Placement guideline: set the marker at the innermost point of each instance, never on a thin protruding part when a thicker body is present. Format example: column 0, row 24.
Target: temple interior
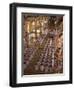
column 43, row 44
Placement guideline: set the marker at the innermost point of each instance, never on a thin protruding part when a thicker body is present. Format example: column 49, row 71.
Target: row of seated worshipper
column 28, row 52
column 44, row 62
